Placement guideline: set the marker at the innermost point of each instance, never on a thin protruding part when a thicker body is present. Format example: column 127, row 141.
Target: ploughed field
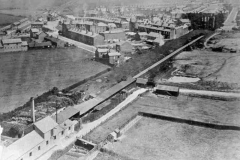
column 152, row 139
column 31, row 73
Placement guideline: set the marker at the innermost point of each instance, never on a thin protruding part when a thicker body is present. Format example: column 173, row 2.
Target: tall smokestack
column 33, row 109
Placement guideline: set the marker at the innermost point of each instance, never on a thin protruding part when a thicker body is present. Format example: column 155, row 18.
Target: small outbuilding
column 167, row 90
column 124, row 47
column 141, row 82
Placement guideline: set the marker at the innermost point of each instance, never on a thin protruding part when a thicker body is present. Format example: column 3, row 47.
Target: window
column 69, row 128
column 62, row 132
column 52, row 132
column 39, row 147
column 30, row 154
column 55, row 137
column 47, row 143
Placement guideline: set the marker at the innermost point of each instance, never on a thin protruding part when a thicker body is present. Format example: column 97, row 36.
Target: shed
column 167, row 90
column 141, row 82
column 124, row 47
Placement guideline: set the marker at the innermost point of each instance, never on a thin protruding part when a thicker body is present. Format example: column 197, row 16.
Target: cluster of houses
column 94, row 31
column 168, row 27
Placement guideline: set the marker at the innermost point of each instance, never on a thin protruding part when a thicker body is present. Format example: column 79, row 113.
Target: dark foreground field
column 27, row 74
column 6, row 19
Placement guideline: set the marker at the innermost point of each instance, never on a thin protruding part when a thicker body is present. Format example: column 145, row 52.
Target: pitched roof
column 46, row 124
column 153, row 34
column 65, row 114
column 66, row 124
column 90, row 104
column 102, row 50
column 114, row 54
column 185, row 20
column 89, row 34
column 142, row 33
column 16, row 23
column 34, row 30
column 22, row 145
column 141, row 81
column 167, row 88
column 100, row 24
column 37, row 23
column 10, row 41
column 24, row 43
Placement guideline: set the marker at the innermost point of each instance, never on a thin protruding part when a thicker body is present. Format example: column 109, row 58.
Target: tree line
column 207, row 21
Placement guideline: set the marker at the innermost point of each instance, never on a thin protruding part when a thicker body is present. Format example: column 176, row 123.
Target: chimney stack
column 32, row 109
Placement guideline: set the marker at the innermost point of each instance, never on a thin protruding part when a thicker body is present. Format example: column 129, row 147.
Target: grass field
column 152, row 139
column 203, row 110
column 208, row 65
column 6, row 19
column 27, row 74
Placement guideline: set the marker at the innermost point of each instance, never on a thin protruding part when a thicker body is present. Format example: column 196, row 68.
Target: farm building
column 124, row 47
column 113, row 58
column 100, row 52
column 40, row 36
column 13, row 45
column 167, row 90
column 141, row 82
column 35, row 44
column 25, row 25
column 55, row 42
column 2, row 34
column 33, row 32
column 37, row 25
column 24, row 46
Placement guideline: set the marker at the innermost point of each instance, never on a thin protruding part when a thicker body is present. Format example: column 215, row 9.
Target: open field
column 227, row 40
column 152, row 139
column 8, row 19
column 197, row 109
column 27, row 74
column 209, row 65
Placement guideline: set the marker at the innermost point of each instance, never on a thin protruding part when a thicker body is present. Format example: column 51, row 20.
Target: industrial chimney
column 32, row 109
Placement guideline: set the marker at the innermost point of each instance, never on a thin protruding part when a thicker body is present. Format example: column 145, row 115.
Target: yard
column 31, row 73
column 152, row 139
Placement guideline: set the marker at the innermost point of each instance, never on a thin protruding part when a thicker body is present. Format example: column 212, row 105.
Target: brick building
column 83, row 36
